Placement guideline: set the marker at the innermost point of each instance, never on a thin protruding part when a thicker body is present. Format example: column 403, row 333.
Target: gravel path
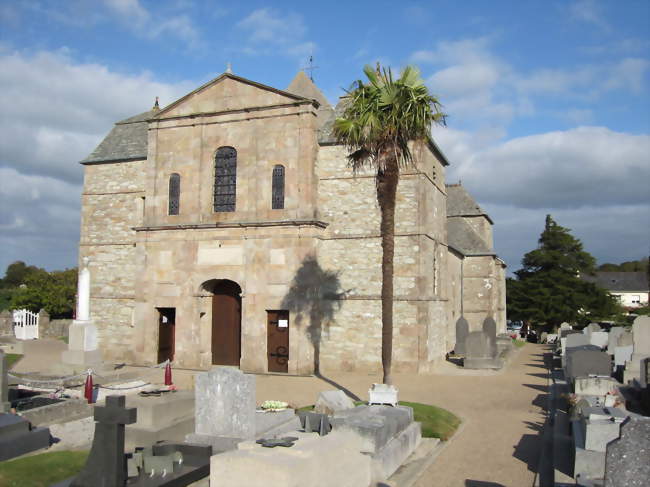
column 497, row 444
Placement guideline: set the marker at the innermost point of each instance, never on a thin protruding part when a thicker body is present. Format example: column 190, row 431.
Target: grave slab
column 313, row 461
column 330, row 402
column 595, row 386
column 627, row 460
column 481, row 352
column 582, row 362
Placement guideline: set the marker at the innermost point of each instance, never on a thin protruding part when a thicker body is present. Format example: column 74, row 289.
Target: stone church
column 227, row 228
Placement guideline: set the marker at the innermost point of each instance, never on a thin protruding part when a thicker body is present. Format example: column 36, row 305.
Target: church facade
column 228, row 229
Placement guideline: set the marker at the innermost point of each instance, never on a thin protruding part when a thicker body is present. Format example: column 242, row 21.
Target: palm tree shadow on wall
column 314, row 297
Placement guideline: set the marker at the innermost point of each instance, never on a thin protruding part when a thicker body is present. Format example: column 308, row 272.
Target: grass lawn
column 41, row 470
column 519, row 343
column 436, row 422
column 12, row 358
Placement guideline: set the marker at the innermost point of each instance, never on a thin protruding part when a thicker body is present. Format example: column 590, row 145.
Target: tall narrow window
column 174, row 193
column 225, row 179
column 277, row 189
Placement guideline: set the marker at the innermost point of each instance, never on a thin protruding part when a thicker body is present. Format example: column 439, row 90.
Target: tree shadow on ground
column 314, row 297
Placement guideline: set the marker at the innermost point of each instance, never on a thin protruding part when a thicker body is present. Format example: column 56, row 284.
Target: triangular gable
column 228, row 92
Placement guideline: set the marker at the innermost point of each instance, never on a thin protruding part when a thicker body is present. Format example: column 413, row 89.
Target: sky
column 548, row 102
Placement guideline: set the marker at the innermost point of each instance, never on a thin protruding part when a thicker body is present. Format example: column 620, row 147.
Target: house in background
column 630, row 288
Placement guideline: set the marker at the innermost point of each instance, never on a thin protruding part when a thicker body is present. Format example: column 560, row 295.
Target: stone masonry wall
column 351, row 247
column 112, row 204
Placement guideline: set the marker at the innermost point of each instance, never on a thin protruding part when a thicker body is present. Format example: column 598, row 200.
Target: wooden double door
column 277, row 341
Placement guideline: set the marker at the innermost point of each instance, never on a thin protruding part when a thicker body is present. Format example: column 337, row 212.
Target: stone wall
column 351, row 247
column 112, row 205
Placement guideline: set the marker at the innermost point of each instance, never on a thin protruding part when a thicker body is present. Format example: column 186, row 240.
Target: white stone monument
column 641, row 337
column 82, row 336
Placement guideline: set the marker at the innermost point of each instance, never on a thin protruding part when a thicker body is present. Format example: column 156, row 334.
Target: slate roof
column 127, row 141
column 460, row 203
column 464, row 239
column 619, row 281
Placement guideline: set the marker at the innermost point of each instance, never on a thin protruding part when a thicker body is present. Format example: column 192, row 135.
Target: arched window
column 174, row 194
column 277, row 190
column 225, row 179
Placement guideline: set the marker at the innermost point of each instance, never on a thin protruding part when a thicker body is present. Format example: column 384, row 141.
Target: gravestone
column 641, row 337
column 583, row 362
column 572, row 340
column 625, row 339
column 224, row 408
column 592, row 327
column 490, row 327
column 599, row 338
column 622, row 355
column 18, row 436
column 576, row 340
column 5, row 405
column 106, row 464
column 612, row 338
column 481, row 352
column 462, row 330
column 330, row 402
column 627, row 459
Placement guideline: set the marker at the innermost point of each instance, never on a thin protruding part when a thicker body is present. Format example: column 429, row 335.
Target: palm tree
column 380, row 119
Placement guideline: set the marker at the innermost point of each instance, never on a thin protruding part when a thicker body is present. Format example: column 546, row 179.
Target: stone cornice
column 234, row 224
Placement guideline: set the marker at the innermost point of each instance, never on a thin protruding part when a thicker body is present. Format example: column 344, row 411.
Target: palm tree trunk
column 386, row 193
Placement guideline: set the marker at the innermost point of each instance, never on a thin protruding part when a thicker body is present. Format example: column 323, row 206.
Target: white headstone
column 641, row 337
column 614, row 333
column 599, row 338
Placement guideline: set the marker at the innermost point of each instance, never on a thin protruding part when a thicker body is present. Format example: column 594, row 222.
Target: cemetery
column 212, row 428
column 598, row 424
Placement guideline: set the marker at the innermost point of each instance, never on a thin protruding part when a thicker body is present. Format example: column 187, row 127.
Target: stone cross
column 5, row 405
column 106, row 464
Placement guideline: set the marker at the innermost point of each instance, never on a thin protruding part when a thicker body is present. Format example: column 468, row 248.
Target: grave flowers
column 274, row 406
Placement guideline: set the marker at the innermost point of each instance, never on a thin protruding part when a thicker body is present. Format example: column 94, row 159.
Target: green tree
column 548, row 289
column 17, row 273
column 381, row 118
column 52, row 291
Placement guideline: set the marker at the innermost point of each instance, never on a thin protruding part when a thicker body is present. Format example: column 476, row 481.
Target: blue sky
column 548, row 102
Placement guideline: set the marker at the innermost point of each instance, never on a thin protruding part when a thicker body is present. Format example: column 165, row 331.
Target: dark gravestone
column 106, row 464
column 490, row 329
column 462, row 330
column 583, row 362
column 5, row 405
column 17, row 436
column 627, row 459
column 481, row 352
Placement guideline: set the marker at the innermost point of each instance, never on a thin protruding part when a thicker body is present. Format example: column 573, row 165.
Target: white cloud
column 590, row 12
column 586, row 166
column 269, row 30
column 55, row 111
column 130, row 10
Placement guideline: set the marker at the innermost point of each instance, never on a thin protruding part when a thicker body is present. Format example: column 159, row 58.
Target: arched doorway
column 226, row 321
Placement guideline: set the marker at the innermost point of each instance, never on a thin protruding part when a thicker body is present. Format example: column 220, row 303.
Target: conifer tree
column 548, row 289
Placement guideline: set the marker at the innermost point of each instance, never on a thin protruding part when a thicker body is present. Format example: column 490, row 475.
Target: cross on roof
column 310, row 68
